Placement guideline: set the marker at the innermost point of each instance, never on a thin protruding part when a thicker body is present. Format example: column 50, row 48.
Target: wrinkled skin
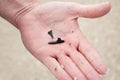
column 75, row 58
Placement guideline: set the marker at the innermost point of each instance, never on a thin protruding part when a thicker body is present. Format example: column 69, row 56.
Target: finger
column 56, row 69
column 71, row 68
column 91, row 54
column 84, row 66
column 92, row 11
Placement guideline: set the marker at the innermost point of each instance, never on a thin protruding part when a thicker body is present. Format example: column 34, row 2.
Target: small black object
column 57, row 42
column 50, row 33
column 55, row 69
column 72, row 31
column 52, row 42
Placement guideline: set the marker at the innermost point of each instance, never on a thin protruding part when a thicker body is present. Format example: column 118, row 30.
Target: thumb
column 93, row 11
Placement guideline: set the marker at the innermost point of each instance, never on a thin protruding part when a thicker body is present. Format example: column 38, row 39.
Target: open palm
column 72, row 59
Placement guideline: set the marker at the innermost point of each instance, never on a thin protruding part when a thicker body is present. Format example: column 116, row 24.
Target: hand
column 73, row 59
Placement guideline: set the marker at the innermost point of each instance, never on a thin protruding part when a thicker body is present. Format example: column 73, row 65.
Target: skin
column 75, row 58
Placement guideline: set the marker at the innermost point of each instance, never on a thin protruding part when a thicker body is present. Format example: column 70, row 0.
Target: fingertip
column 108, row 3
column 102, row 69
column 107, row 7
column 105, row 71
column 102, row 9
column 108, row 70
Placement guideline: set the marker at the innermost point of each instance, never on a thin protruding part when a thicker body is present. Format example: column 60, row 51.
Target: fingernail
column 108, row 70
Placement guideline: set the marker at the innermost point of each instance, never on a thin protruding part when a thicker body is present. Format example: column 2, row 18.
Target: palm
column 61, row 18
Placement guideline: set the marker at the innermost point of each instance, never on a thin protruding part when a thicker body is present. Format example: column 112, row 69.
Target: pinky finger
column 56, row 69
